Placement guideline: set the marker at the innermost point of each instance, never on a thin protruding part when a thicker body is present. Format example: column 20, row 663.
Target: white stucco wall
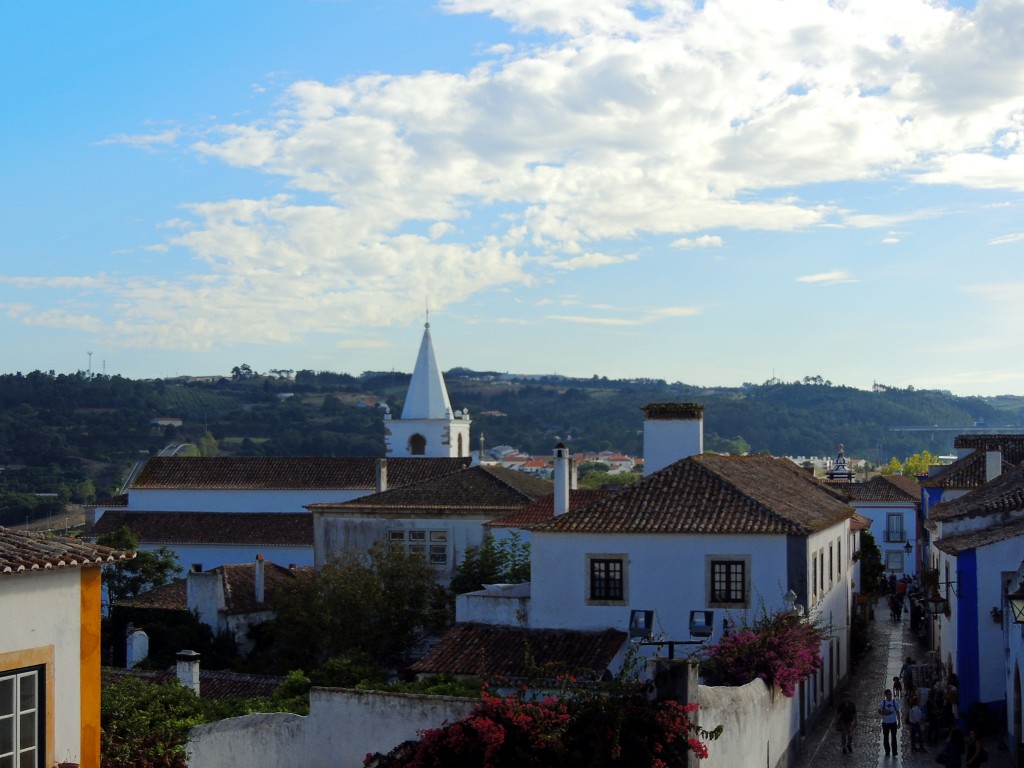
column 43, row 608
column 760, row 728
column 666, row 573
column 334, row 533
column 342, row 727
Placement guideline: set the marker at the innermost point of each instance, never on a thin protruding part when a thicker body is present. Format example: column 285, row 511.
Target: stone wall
column 342, row 727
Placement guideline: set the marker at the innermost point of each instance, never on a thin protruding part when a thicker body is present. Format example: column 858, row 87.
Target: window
column 417, row 445
column 606, row 579
column 894, row 528
column 814, row 575
column 830, row 566
column 433, row 545
column 894, row 560
column 727, row 580
column 839, row 557
column 22, row 719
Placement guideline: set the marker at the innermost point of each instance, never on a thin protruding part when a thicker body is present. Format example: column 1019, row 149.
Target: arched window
column 417, row 445
column 460, row 454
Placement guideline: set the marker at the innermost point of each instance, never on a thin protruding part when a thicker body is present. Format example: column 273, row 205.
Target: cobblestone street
column 891, row 642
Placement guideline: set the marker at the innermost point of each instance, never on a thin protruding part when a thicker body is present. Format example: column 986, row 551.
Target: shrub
column 781, row 649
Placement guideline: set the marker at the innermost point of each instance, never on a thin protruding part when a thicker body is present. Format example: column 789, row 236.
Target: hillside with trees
column 74, row 437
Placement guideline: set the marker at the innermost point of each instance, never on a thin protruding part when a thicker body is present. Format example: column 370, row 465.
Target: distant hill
column 76, row 435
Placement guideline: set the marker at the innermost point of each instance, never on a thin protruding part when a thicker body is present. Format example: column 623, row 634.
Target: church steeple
column 427, row 397
column 428, row 426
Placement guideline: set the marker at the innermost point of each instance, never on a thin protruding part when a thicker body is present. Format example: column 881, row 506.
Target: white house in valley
column 214, row 511
column 50, row 649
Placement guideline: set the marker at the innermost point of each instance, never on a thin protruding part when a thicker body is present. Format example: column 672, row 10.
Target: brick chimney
column 672, row 431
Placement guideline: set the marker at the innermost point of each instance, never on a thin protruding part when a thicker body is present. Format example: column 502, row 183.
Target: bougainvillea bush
column 781, row 649
column 582, row 725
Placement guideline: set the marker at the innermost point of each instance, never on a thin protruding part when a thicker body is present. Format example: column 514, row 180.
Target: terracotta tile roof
column 169, row 597
column 492, row 651
column 966, row 473
column 994, row 534
column 858, row 522
column 714, row 494
column 1004, row 494
column 213, row 684
column 543, row 509
column 239, row 589
column 893, row 489
column 285, row 529
column 277, row 472
column 483, row 487
column 1012, row 446
column 240, row 585
column 22, row 551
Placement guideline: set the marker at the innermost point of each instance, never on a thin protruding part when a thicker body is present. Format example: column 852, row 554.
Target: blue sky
column 711, row 193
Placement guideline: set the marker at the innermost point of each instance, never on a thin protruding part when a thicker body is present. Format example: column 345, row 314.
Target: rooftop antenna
column 90, row 363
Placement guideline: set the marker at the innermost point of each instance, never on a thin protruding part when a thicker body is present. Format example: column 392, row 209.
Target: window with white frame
column 728, row 581
column 433, row 545
column 22, row 720
column 606, row 579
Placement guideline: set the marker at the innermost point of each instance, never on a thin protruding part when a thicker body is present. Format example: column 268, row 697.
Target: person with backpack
column 846, row 722
column 889, row 710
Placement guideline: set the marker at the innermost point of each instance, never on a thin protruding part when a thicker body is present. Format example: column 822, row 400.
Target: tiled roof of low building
column 239, row 589
column 1011, row 446
column 22, row 551
column 1004, row 494
column 483, row 487
column 492, row 651
column 966, row 473
column 543, row 509
column 858, row 522
column 168, row 597
column 286, row 529
column 954, row 545
column 712, row 494
column 882, row 489
column 214, row 685
column 283, row 472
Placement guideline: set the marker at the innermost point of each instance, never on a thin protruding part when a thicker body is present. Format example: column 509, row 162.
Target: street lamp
column 1016, row 600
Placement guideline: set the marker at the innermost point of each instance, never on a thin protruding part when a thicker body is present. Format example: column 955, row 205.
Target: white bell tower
column 428, row 426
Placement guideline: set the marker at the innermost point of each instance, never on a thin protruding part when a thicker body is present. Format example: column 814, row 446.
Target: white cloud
column 892, row 238
column 704, row 241
column 834, row 277
column 628, row 120
column 1016, row 237
column 148, row 141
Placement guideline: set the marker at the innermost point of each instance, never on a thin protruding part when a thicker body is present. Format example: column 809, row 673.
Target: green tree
column 918, row 464
column 141, row 574
column 85, row 491
column 601, row 479
column 146, row 725
column 208, row 445
column 872, row 570
column 380, row 604
column 892, row 468
column 496, row 561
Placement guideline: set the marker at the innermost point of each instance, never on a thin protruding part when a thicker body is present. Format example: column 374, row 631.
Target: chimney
column 138, row 646
column 562, row 479
column 993, row 465
column 259, row 579
column 672, row 431
column 188, row 670
column 382, row 475
column 573, row 475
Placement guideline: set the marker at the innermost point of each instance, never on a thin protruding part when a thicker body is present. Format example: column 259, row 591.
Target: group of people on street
column 929, row 713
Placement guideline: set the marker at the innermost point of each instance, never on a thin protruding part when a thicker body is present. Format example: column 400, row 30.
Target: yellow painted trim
column 34, row 657
column 90, row 668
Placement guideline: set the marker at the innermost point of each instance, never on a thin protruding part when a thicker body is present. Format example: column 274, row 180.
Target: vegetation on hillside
column 75, row 437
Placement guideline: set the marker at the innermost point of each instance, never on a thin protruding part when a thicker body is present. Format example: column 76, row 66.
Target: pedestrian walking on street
column 889, row 709
column 846, row 722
